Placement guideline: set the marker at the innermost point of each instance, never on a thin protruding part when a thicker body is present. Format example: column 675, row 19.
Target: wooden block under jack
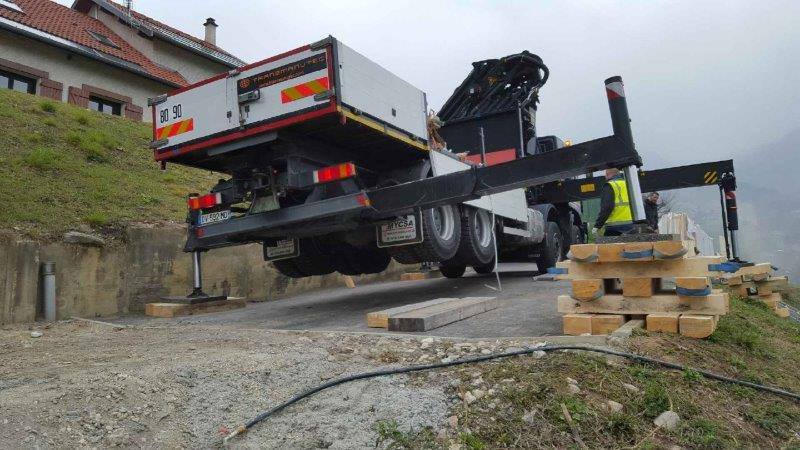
column 715, row 304
column 672, row 249
column 772, row 301
column 663, row 322
column 583, row 253
column 587, row 290
column 610, row 252
column 348, row 281
column 638, row 251
column 692, row 284
column 696, row 326
column 606, row 323
column 168, row 310
column 413, row 276
column 638, row 287
column 577, row 324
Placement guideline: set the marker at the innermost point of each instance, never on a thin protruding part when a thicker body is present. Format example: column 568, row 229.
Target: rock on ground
column 668, row 420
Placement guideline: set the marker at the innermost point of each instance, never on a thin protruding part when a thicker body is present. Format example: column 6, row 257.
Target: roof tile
column 66, row 23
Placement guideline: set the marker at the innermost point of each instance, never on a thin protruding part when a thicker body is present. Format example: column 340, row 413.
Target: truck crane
column 330, row 164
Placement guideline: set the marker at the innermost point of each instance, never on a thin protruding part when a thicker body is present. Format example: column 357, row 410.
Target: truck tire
column 476, row 246
column 453, row 271
column 550, row 250
column 287, row 268
column 485, row 268
column 311, row 261
column 361, row 261
column 441, row 230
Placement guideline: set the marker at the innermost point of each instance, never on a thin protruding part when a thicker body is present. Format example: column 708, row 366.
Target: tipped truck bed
column 325, row 91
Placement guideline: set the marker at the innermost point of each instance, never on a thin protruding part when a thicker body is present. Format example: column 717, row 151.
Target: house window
column 103, row 39
column 16, row 82
column 105, row 106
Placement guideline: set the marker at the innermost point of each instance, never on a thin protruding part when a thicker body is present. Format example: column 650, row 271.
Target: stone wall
column 121, row 278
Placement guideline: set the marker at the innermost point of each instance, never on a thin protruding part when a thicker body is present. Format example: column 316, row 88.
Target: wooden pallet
column 611, row 282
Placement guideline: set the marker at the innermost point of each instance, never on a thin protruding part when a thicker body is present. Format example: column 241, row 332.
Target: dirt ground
column 84, row 385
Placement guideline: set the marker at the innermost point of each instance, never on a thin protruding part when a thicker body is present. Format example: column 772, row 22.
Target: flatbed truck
column 333, row 164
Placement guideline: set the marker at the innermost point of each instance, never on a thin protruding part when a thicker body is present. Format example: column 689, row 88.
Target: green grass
column 750, row 343
column 61, row 166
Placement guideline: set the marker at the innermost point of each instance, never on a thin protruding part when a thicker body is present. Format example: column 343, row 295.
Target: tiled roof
column 179, row 36
column 54, row 19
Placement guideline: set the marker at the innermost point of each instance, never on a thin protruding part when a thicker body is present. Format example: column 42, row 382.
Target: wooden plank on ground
column 436, row 316
column 689, row 267
column 577, row 324
column 606, row 323
column 638, row 287
column 782, row 311
column 587, row 290
column 168, row 310
column 714, row 304
column 697, row 326
column 380, row 319
column 663, row 322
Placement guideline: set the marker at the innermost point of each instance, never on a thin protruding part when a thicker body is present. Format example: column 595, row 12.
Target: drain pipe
column 49, row 290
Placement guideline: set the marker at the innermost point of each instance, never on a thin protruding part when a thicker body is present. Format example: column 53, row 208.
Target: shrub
column 96, row 219
column 47, row 106
column 43, row 158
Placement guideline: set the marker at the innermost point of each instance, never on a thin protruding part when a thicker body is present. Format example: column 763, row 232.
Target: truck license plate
column 214, row 217
column 402, row 231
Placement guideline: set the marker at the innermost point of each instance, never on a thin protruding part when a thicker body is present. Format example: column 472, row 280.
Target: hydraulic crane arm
column 679, row 177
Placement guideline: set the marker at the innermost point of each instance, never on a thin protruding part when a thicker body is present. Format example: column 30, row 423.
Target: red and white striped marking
column 615, row 90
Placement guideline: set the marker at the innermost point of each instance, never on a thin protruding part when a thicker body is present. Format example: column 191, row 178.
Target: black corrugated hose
column 548, row 348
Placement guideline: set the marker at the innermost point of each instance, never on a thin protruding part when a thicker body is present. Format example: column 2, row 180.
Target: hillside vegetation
column 62, row 166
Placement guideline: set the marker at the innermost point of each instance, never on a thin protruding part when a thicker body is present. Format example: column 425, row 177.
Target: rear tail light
column 333, row 173
column 204, row 201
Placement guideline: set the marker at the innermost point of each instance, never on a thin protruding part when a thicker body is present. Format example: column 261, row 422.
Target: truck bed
column 323, row 92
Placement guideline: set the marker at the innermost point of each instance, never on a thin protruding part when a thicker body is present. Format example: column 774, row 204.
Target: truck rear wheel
column 288, row 268
column 476, row 246
column 360, row 261
column 485, row 268
column 453, row 271
column 551, row 248
column 441, row 230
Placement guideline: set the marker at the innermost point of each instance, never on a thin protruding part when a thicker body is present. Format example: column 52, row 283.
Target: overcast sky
column 705, row 79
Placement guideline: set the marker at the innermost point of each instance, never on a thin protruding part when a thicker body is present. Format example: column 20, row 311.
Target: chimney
column 211, row 31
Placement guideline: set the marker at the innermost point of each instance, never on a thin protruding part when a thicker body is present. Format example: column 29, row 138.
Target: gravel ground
column 84, row 385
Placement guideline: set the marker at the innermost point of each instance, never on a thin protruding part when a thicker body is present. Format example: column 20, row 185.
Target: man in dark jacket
column 651, row 210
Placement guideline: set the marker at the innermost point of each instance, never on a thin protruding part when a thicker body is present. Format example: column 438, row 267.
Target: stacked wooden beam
column 425, row 316
column 757, row 282
column 611, row 283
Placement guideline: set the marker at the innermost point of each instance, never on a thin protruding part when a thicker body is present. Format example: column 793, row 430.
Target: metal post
column 728, row 184
column 724, row 223
column 49, row 290
column 197, row 284
column 483, row 146
column 621, row 123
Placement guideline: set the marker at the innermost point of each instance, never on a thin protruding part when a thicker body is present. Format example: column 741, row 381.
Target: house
column 101, row 55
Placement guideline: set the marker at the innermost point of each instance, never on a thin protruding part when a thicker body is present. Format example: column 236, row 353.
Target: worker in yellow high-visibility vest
column 615, row 207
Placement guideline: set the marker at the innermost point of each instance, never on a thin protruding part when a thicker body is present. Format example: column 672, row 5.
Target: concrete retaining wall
column 120, row 279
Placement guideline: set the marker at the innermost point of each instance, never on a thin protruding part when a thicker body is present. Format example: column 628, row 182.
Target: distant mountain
column 768, row 196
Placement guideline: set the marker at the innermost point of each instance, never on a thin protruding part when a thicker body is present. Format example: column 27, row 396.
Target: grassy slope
column 751, row 343
column 61, row 165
